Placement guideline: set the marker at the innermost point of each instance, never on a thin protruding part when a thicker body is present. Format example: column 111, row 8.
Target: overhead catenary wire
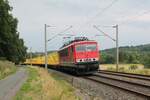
column 109, row 6
column 136, row 16
column 126, row 20
column 104, row 33
column 88, row 21
column 102, row 11
column 60, row 33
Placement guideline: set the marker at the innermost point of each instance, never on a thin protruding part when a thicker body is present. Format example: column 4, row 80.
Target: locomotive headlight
column 87, row 60
column 95, row 59
column 79, row 60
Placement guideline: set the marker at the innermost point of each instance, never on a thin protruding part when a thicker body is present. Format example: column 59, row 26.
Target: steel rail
column 123, row 81
column 147, row 95
column 129, row 75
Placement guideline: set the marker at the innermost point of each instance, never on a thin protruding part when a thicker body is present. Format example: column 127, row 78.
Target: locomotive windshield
column 86, row 47
column 91, row 47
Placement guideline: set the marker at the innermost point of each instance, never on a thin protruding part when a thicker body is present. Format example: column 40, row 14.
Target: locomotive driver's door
column 71, row 54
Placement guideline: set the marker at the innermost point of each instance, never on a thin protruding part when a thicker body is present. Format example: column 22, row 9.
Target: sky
column 132, row 17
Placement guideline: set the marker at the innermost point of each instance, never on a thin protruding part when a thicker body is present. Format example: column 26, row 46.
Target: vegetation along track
column 137, row 84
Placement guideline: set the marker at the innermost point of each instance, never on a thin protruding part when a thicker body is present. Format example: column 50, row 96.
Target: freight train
column 80, row 56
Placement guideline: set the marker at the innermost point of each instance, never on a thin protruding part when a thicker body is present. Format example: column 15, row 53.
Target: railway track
column 133, row 83
column 129, row 75
column 136, row 78
column 139, row 87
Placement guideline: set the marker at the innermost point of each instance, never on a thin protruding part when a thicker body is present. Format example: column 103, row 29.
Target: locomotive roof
column 77, row 42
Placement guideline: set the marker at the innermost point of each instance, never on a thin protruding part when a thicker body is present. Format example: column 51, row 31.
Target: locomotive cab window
column 91, row 47
column 86, row 47
column 80, row 48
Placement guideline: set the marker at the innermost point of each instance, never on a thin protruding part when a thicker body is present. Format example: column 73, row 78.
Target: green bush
column 133, row 67
column 3, row 58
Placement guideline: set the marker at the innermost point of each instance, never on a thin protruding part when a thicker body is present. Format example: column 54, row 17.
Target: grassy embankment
column 6, row 68
column 129, row 68
column 42, row 85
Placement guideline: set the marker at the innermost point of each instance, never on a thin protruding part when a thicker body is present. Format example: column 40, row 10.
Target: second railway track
column 112, row 87
column 135, row 78
column 129, row 75
column 137, row 84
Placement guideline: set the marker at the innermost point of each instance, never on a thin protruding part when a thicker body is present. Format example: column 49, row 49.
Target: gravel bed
column 140, row 81
column 98, row 91
column 125, row 85
column 105, row 92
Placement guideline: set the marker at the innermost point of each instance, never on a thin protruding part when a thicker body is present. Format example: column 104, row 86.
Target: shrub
column 133, row 67
column 3, row 58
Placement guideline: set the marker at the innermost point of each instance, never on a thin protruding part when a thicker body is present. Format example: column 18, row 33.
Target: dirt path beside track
column 11, row 84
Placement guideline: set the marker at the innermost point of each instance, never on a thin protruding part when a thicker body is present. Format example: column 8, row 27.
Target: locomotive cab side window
column 64, row 52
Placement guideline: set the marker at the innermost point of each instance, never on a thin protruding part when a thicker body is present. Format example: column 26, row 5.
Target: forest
column 12, row 47
column 128, row 54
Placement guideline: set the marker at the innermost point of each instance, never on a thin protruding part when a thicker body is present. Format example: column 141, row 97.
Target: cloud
column 33, row 14
column 143, row 16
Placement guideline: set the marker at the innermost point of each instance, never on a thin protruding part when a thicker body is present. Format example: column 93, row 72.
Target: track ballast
column 133, row 83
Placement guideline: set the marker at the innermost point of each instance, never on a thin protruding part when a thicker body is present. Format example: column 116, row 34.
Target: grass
column 6, row 68
column 128, row 68
column 41, row 85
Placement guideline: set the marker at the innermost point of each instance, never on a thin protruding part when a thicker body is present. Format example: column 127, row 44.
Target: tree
column 107, row 58
column 11, row 46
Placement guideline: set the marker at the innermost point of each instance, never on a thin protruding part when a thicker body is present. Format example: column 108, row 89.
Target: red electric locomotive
column 80, row 56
